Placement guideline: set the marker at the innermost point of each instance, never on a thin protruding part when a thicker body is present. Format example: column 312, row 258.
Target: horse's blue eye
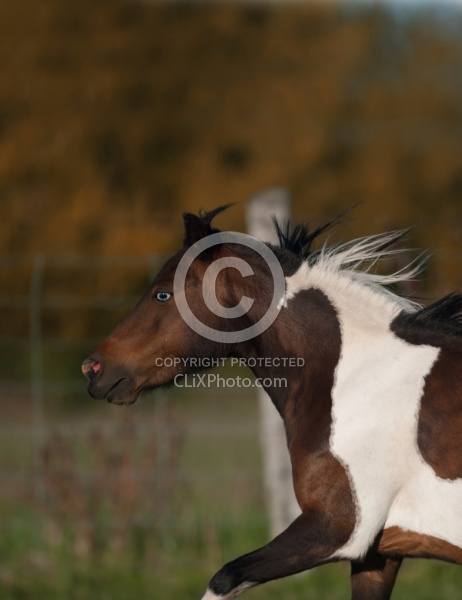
column 163, row 296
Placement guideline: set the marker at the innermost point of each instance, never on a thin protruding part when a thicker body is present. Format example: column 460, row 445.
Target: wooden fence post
column 277, row 470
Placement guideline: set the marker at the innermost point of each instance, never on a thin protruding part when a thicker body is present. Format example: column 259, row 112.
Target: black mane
column 300, row 240
column 443, row 316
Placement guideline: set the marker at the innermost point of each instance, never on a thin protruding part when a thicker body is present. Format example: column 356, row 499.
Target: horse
column 373, row 418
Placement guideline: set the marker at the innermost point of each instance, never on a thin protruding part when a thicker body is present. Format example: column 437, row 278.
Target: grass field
column 148, row 502
column 176, row 564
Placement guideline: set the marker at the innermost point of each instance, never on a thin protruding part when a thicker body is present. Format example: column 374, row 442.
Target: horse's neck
column 358, row 306
column 321, row 313
column 299, row 352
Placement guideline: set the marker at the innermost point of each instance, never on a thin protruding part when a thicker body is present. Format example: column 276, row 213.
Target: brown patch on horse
column 374, row 577
column 440, row 416
column 316, row 491
column 395, row 541
column 321, row 482
column 307, row 411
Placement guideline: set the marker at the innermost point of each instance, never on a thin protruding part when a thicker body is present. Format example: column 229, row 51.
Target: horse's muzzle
column 91, row 368
column 112, row 385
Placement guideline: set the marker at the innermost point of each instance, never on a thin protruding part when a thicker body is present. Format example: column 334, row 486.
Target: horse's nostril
column 91, row 367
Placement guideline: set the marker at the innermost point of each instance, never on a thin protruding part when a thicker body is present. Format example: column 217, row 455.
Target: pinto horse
column 373, row 418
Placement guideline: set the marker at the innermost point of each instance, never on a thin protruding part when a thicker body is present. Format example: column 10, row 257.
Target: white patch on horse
column 294, row 284
column 378, row 387
column 209, row 595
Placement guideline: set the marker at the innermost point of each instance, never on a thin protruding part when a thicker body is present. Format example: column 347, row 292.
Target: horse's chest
column 376, row 397
column 375, row 409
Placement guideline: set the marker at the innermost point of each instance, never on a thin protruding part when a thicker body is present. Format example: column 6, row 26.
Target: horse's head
column 158, row 341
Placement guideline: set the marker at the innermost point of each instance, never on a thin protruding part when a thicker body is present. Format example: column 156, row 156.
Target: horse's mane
column 349, row 256
column 443, row 316
column 355, row 259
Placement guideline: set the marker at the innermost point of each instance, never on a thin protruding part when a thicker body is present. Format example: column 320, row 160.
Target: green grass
column 81, row 541
column 176, row 563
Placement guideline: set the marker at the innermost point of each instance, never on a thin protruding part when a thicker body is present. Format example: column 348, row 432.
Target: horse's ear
column 198, row 227
column 194, row 229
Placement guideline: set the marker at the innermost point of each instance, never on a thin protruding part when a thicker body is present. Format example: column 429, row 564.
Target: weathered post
column 277, row 475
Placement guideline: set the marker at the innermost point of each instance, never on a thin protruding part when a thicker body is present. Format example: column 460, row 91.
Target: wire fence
column 66, row 458
column 55, row 439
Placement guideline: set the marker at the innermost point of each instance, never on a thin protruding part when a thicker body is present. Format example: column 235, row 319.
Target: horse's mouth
column 120, row 392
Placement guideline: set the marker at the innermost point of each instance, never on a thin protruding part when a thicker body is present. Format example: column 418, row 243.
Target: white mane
column 357, row 258
column 345, row 273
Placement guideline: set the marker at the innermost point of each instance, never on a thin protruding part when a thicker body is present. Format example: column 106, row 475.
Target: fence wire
column 34, row 431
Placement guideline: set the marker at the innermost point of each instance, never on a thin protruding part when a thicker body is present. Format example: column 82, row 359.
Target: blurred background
column 115, row 117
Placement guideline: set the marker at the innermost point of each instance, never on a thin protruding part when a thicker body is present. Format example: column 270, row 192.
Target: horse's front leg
column 374, row 577
column 309, row 541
